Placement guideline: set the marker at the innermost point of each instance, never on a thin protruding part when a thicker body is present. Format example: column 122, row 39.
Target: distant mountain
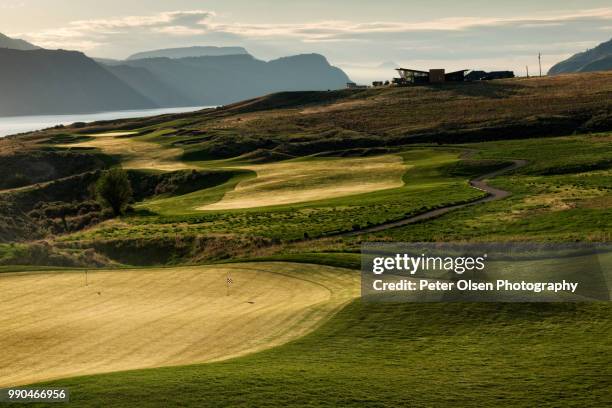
column 41, row 81
column 52, row 82
column 601, row 64
column 15, row 44
column 596, row 59
column 151, row 86
column 107, row 61
column 189, row 52
column 224, row 79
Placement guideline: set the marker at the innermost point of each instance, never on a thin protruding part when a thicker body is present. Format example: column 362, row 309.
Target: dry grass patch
column 54, row 326
column 135, row 153
column 558, row 199
column 338, row 106
column 314, row 179
column 598, row 203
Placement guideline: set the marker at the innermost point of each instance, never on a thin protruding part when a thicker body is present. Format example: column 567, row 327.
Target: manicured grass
column 313, row 179
column 188, row 203
column 544, row 355
column 66, row 323
column 427, row 184
column 564, row 194
column 134, row 152
column 390, row 355
column 335, row 259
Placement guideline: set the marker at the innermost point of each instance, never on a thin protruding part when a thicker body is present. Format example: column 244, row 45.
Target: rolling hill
column 279, row 193
column 316, row 138
column 596, row 59
column 289, row 124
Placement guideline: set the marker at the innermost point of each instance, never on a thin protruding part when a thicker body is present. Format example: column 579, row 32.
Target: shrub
column 114, row 189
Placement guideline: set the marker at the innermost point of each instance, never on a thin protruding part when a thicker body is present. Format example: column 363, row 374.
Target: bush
column 114, row 189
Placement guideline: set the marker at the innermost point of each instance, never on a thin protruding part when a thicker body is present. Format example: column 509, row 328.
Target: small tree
column 114, row 189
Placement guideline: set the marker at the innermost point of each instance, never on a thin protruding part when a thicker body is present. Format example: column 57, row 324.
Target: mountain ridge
column 16, row 43
column 595, row 59
column 217, row 80
column 39, row 81
column 183, row 52
column 35, row 82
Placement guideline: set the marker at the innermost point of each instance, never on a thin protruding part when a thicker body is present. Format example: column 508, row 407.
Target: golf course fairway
column 312, row 179
column 135, row 153
column 61, row 324
column 280, row 183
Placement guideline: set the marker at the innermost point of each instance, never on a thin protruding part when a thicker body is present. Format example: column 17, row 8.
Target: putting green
column 312, row 179
column 54, row 326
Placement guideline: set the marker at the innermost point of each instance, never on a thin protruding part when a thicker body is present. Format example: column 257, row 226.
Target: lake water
column 18, row 124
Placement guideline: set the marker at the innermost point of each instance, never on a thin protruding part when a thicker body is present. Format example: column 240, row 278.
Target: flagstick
column 86, row 282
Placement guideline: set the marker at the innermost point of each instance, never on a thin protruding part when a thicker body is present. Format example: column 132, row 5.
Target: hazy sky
column 356, row 35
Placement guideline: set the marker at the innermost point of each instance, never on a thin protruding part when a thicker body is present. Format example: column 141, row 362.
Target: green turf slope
column 520, row 355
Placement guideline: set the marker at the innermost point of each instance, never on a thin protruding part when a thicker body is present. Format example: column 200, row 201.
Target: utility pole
column 540, row 62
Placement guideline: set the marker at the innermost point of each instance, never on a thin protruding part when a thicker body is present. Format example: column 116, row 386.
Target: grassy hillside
column 562, row 172
column 427, row 183
column 519, row 355
column 303, row 123
column 564, row 194
column 300, row 178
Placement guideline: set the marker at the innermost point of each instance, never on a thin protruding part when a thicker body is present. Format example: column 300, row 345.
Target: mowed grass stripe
column 166, row 305
column 312, row 179
column 393, row 355
column 58, row 327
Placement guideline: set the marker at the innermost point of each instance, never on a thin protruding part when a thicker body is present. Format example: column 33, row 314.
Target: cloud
column 89, row 34
column 171, row 18
column 198, row 22
column 443, row 39
column 327, row 30
column 180, row 30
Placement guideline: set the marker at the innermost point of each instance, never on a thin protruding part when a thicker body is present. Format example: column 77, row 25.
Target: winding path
column 493, row 194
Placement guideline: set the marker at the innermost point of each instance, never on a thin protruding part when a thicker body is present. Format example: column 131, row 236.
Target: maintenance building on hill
column 433, row 76
column 438, row 76
column 487, row 76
